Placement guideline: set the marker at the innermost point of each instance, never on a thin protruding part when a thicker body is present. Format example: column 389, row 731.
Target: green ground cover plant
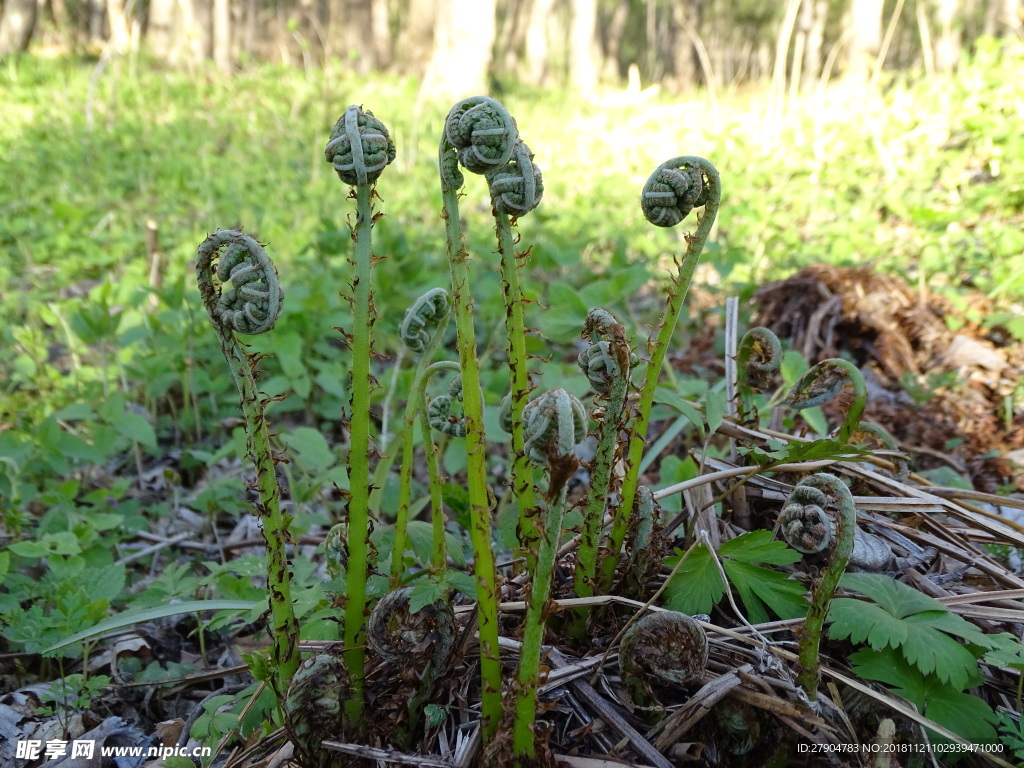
column 109, row 366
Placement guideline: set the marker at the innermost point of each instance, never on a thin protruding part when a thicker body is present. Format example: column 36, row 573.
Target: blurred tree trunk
column 864, row 27
column 537, row 57
column 511, row 42
column 17, row 23
column 583, row 46
column 947, row 41
column 684, row 61
column 380, row 22
column 463, row 41
column 160, row 31
column 352, row 25
column 416, row 35
column 811, row 25
column 612, row 31
column 221, row 35
column 97, row 17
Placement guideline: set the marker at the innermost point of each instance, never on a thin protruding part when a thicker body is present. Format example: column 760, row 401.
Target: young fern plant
column 359, row 148
column 554, row 424
column 758, row 358
column 675, row 188
column 252, row 306
column 516, row 189
column 808, row 528
column 607, row 362
column 480, row 135
column 823, row 382
column 429, row 311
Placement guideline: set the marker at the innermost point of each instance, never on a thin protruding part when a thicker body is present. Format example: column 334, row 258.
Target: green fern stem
column 758, row 358
column 522, row 469
column 607, row 364
column 252, row 306
column 808, row 528
column 479, row 134
column 431, row 310
column 359, row 148
column 672, row 191
column 555, row 422
column 825, row 381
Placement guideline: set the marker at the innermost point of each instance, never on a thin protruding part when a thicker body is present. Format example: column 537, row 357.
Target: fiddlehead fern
column 517, row 187
column 480, row 134
column 662, row 648
column 421, row 643
column 807, row 527
column 251, row 306
column 607, row 363
column 423, row 319
column 553, row 423
column 359, row 148
column 313, row 707
column 422, row 331
column 759, row 357
column 825, row 381
column 440, row 408
column 670, row 194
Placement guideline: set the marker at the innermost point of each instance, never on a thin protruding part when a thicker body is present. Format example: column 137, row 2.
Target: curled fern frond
column 359, row 147
column 825, row 381
column 255, row 301
column 336, row 550
column 601, row 360
column 440, row 408
column 313, row 707
column 517, row 187
column 672, row 191
column 553, row 425
column 807, row 503
column 401, row 636
column 480, row 134
column 505, row 413
column 759, row 356
column 806, row 526
column 423, row 318
column 663, row 648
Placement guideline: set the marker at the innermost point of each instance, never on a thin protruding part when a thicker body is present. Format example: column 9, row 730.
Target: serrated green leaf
column 698, row 585
column 949, row 622
column 424, row 592
column 759, row 547
column 1005, row 651
column 75, row 411
column 896, row 598
column 461, row 582
column 934, row 652
column 785, row 596
column 860, row 621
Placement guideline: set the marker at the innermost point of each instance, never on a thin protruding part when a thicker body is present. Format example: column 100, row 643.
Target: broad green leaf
column 860, row 621
column 310, row 449
column 896, row 598
column 5, row 564
column 75, row 411
column 150, row 614
column 666, row 396
column 462, row 582
column 759, row 547
column 105, row 583
column 698, row 585
column 785, row 596
column 675, row 470
column 714, row 409
column 135, row 428
column 1006, row 651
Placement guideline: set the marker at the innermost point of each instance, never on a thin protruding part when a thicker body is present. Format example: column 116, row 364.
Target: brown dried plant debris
column 899, row 336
